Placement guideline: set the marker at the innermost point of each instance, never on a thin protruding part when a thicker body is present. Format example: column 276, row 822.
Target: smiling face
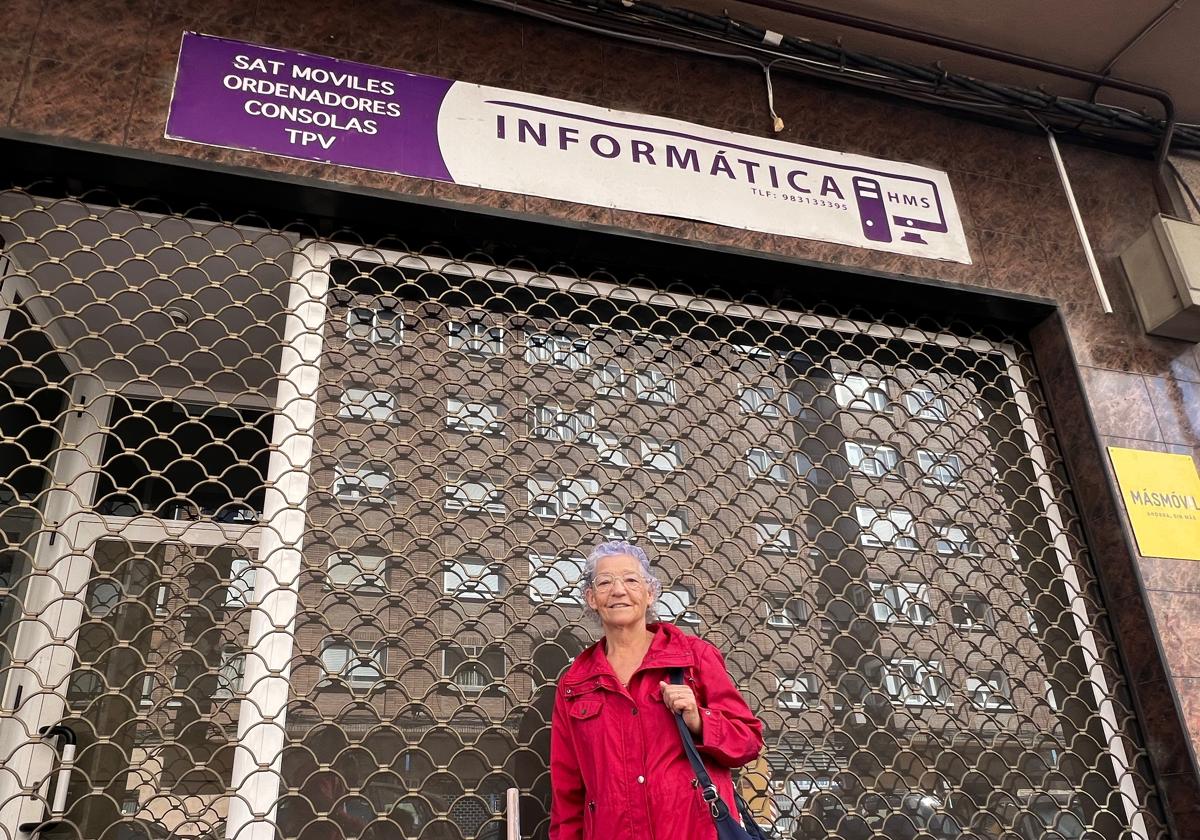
column 619, row 593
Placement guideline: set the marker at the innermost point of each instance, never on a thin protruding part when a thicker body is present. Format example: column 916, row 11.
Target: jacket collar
column 670, row 648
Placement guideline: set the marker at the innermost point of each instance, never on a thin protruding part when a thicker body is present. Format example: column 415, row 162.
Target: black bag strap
column 707, row 789
column 716, row 805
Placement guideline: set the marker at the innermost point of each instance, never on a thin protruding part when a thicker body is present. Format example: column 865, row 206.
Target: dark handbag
column 727, row 827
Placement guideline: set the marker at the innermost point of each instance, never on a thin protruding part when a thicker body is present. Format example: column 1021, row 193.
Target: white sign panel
column 245, row 96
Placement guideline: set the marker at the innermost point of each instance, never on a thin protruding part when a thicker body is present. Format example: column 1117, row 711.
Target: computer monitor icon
column 911, row 203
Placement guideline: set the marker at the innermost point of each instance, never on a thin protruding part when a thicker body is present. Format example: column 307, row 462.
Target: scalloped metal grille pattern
column 292, row 528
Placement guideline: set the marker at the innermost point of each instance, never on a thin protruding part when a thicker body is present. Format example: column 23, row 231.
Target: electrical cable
column 835, row 62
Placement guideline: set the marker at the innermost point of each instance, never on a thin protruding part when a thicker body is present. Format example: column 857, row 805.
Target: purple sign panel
column 281, row 102
column 262, row 99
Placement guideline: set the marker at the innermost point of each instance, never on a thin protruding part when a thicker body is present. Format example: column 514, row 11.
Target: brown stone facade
column 101, row 72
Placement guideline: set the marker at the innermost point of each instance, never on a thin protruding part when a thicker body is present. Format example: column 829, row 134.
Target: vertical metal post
column 1083, row 237
column 512, row 814
column 258, row 760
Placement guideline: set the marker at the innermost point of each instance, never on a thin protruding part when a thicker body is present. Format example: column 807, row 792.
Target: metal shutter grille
column 291, row 529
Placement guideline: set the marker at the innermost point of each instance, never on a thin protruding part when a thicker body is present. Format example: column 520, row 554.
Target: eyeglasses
column 604, row 583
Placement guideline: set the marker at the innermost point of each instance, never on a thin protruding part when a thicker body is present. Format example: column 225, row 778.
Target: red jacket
column 617, row 767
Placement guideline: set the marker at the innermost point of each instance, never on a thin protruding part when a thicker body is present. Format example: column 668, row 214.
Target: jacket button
column 641, row 780
column 634, row 711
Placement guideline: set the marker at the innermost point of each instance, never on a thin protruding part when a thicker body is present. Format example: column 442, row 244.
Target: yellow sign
column 1162, row 495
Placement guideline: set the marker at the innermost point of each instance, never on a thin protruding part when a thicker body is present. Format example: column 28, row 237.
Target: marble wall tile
column 399, row 184
column 553, row 58
column 749, row 240
column 1189, row 699
column 1177, row 406
column 107, row 33
column 317, row 25
column 223, row 18
column 479, row 45
column 474, row 195
column 722, row 94
column 1164, row 728
column 1141, row 653
column 1177, row 617
column 1010, row 155
column 642, row 80
column 1015, row 264
column 1172, row 575
column 567, row 210
column 12, row 70
column 668, row 226
column 1182, row 800
column 148, row 119
column 87, row 103
column 1120, row 404
column 1018, row 209
column 21, row 19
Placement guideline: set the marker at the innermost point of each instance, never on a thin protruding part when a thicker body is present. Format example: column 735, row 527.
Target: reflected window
column 916, row 682
column 474, row 668
column 365, row 404
column 973, row 612
column 471, row 579
column 476, row 338
column 674, row 604
column 762, row 400
column 359, row 664
column 357, row 569
column 241, row 584
column 788, row 612
column 474, row 417
column 555, row 579
column 924, row 403
column 379, row 326
column 798, row 691
column 942, row 468
column 230, row 673
column 611, row 380
column 775, row 538
column 955, row 539
column 990, row 690
column 572, row 499
column 370, row 482
column 903, row 601
column 768, row 463
column 661, row 455
column 608, row 448
column 669, row 527
column 103, row 597
column 873, row 459
column 552, row 423
column 654, row 386
column 856, row 392
column 558, row 350
column 886, row 528
column 473, row 493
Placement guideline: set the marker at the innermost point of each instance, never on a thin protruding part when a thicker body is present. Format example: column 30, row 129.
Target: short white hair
column 614, row 548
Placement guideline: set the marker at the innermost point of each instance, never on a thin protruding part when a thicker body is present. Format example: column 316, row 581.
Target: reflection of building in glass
column 862, row 517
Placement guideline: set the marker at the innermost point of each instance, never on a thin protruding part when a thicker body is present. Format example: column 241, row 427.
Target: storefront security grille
column 292, row 530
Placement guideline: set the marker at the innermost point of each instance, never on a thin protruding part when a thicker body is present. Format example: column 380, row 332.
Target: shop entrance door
column 132, row 643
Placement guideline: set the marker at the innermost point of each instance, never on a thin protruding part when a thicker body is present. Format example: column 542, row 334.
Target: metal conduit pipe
column 1007, row 57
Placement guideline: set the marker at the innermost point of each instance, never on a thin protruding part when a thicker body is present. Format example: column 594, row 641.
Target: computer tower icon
column 872, row 211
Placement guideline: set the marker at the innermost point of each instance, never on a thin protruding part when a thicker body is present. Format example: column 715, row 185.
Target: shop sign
column 281, row 102
column 1161, row 492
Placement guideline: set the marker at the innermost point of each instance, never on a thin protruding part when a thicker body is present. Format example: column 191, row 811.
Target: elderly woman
column 618, row 770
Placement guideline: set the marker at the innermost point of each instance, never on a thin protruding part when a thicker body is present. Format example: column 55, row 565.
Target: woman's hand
column 681, row 698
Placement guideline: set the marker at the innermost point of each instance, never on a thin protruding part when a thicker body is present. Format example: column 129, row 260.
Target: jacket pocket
column 586, row 707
